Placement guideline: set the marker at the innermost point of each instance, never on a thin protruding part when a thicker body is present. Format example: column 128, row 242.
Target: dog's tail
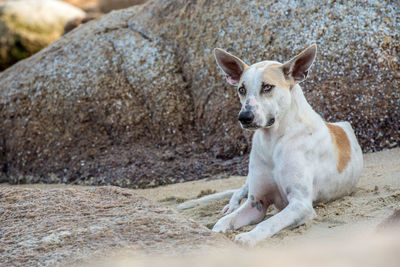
column 206, row 199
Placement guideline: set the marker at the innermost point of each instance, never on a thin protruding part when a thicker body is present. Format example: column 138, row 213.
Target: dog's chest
column 266, row 159
column 262, row 165
column 265, row 149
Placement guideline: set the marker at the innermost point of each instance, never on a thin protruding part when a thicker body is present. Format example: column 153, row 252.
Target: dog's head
column 264, row 88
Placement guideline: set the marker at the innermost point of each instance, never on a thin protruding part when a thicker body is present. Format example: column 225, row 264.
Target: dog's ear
column 231, row 65
column 296, row 69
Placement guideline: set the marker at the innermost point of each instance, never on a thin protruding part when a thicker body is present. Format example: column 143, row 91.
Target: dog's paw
column 246, row 240
column 222, row 226
column 219, row 228
column 229, row 208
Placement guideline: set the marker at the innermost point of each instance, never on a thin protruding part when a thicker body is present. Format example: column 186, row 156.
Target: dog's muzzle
column 246, row 117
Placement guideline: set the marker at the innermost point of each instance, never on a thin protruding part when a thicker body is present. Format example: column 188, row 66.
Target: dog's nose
column 246, row 117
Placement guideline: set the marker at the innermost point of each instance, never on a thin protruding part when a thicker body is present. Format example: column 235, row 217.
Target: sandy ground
column 376, row 197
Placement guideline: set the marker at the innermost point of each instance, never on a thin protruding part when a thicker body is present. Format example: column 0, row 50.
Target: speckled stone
column 135, row 98
column 65, row 226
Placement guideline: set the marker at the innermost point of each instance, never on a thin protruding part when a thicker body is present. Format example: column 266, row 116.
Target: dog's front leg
column 296, row 213
column 296, row 184
column 236, row 198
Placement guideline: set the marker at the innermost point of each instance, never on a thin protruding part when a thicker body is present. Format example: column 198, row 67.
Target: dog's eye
column 266, row 87
column 242, row 90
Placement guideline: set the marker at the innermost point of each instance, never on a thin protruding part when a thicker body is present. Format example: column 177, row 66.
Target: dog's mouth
column 253, row 126
column 250, row 126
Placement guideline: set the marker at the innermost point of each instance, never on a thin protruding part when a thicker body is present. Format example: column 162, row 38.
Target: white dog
column 296, row 159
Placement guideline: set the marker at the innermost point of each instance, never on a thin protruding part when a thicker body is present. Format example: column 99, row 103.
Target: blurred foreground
column 355, row 249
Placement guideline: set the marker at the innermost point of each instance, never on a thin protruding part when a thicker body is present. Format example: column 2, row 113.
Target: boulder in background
column 28, row 26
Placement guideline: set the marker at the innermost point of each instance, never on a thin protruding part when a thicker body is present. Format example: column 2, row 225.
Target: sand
column 376, row 197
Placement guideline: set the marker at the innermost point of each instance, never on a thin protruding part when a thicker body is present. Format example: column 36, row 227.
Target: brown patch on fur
column 262, row 65
column 342, row 146
column 273, row 75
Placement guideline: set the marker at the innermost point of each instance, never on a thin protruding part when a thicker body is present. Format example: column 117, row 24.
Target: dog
column 297, row 159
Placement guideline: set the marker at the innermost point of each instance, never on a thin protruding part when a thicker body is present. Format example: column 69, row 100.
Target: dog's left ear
column 296, row 69
column 231, row 65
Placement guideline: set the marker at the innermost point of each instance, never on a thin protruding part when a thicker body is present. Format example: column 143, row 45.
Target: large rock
column 135, row 98
column 62, row 226
column 28, row 26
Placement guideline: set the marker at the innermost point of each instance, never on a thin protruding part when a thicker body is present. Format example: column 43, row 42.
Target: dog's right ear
column 296, row 69
column 231, row 65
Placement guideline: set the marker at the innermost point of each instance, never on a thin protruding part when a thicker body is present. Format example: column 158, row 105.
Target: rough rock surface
column 135, row 97
column 50, row 226
column 28, row 26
